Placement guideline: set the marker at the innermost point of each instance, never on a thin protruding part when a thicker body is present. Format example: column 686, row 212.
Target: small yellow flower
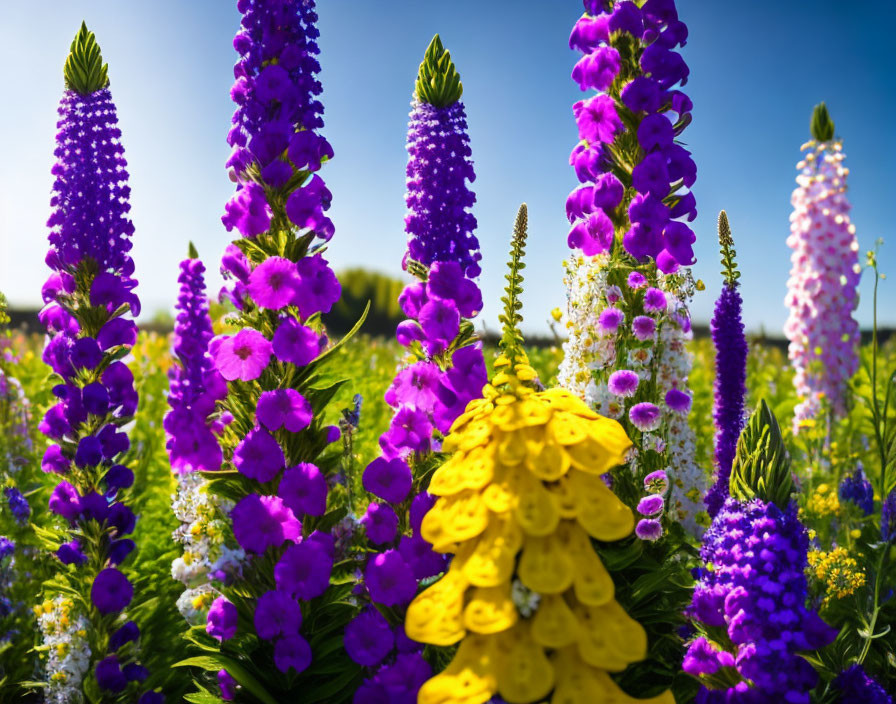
column 839, row 572
column 556, row 314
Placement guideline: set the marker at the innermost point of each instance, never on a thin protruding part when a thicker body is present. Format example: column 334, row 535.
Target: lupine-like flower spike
column 277, row 451
column 727, row 330
column 88, row 297
column 192, row 426
column 627, row 290
column 749, row 604
column 824, row 276
column 526, row 597
column 445, row 370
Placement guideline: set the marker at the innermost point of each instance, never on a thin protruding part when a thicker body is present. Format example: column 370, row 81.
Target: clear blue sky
column 757, row 69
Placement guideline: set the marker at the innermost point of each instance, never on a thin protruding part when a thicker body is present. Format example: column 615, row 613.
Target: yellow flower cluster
column 519, row 500
column 823, row 502
column 838, row 571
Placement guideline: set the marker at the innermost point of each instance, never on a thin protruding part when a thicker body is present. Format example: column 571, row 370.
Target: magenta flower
column 243, row 356
column 654, row 300
column 593, row 235
column 410, row 430
column 259, row 456
column 368, row 638
column 447, row 282
column 610, row 319
column 292, row 652
column 636, row 280
column 284, row 408
column 649, row 529
column 390, row 480
column 111, row 591
column 644, row 327
column 274, row 283
column 248, row 211
column 645, row 416
column 678, row 401
column 277, row 614
column 597, row 119
column 304, row 570
column 651, row 505
column 296, row 343
column 222, row 619
column 415, row 386
column 380, row 522
column 440, row 321
column 304, row 489
column 597, row 70
column 623, row 383
column 389, row 579
column 260, row 522
column 318, row 287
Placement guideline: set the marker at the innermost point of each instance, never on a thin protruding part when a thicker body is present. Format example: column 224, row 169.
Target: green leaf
column 84, row 71
column 213, row 663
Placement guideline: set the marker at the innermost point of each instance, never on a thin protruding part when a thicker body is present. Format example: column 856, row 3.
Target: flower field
column 257, row 508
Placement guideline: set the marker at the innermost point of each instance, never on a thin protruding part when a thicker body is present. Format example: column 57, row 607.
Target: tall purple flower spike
column 731, row 371
column 89, row 300
column 195, row 384
column 637, row 176
column 429, row 394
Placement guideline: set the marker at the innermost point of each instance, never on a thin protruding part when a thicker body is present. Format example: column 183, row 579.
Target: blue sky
column 757, row 69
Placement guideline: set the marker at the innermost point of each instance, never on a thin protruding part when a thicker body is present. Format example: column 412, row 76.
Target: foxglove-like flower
column 92, row 284
column 731, row 370
column 824, row 275
column 636, row 176
column 449, row 372
column 281, row 284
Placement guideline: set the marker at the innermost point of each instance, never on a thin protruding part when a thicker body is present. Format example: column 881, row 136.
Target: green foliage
column 84, row 70
column 821, row 125
column 511, row 342
column 438, row 82
column 762, row 465
column 726, row 241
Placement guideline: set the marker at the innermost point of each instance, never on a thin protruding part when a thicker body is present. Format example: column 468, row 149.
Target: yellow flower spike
column 554, row 624
column 524, row 672
column 454, row 519
column 490, row 610
column 578, row 683
column 536, row 512
column 435, row 615
column 525, row 373
column 545, row 567
column 610, row 639
column 600, row 512
column 491, row 560
column 469, row 677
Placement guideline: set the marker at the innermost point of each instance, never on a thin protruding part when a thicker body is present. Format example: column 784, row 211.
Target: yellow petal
column 477, row 432
column 535, row 511
column 609, row 638
column 593, row 585
column 470, row 470
column 600, row 512
column 562, row 494
column 435, row 616
column 501, row 495
column 614, row 695
column 454, row 519
column 561, row 399
column 523, row 671
column 489, row 561
column 568, row 429
column 511, row 448
column 545, row 566
column 554, row 624
column 550, row 463
column 490, row 609
column 594, row 457
column 468, row 679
